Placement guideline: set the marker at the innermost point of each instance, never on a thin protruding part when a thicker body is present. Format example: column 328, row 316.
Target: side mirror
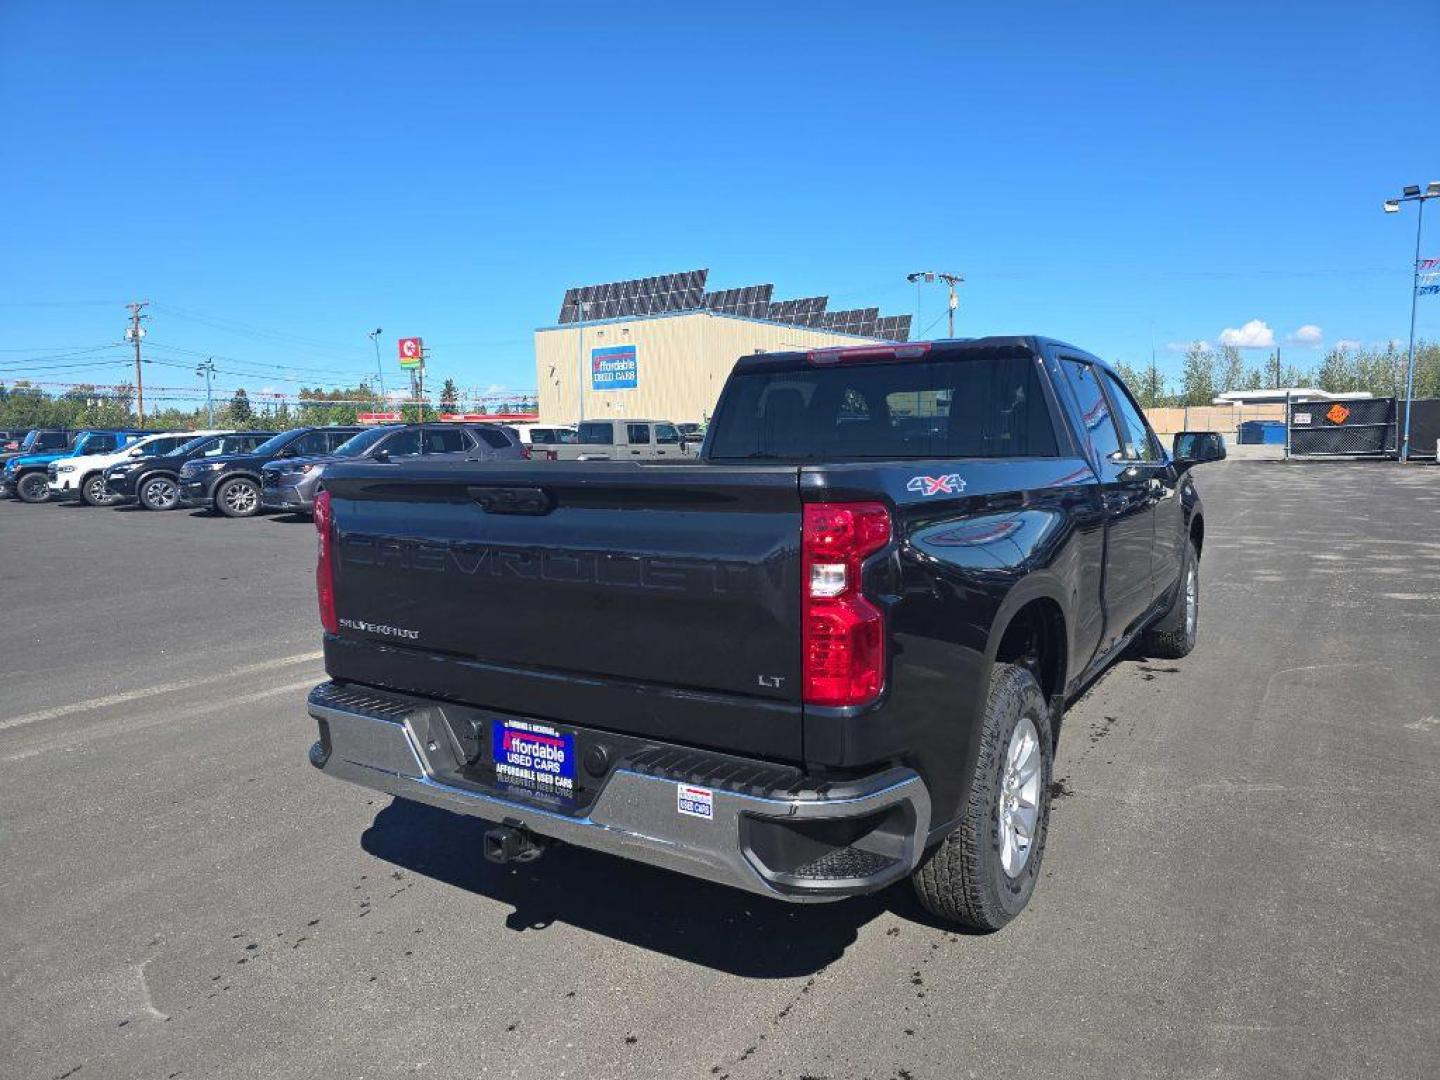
column 380, row 455
column 137, row 452
column 1198, row 447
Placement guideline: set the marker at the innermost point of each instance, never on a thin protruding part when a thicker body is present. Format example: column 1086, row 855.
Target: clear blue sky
column 311, row 171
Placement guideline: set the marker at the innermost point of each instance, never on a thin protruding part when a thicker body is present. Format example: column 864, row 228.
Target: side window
column 402, row 443
column 250, row 442
column 169, row 446
column 315, row 442
column 335, row 439
column 637, row 434
column 496, row 440
column 542, row 436
column 666, row 433
column 444, row 440
column 1138, row 444
column 1094, row 409
column 597, row 433
column 101, row 444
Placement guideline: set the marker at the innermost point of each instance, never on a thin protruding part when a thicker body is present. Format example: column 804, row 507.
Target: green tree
column 1232, row 368
column 1198, row 375
column 241, row 413
column 449, row 397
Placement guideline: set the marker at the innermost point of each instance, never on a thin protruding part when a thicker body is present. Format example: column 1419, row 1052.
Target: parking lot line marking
column 128, row 725
column 153, row 691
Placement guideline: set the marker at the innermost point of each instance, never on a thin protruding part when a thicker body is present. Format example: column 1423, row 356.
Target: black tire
column 963, row 879
column 1174, row 635
column 92, row 491
column 238, row 498
column 159, row 492
column 33, row 487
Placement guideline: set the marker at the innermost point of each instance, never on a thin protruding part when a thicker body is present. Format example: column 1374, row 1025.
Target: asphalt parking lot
column 1241, row 880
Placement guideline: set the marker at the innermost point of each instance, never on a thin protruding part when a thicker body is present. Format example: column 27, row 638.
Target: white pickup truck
column 84, row 477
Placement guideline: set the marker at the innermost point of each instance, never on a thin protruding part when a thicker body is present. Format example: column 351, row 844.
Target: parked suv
column 154, row 480
column 292, row 484
column 39, row 441
column 28, row 476
column 83, row 476
column 231, row 482
column 624, row 440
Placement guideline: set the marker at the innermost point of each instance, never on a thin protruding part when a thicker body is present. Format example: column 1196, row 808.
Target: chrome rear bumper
column 805, row 843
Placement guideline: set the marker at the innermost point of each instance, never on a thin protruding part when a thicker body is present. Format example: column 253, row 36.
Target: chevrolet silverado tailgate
column 661, row 600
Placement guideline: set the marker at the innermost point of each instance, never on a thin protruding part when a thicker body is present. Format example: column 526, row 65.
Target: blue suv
column 27, row 477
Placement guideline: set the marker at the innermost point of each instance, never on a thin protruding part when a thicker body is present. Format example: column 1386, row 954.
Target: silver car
column 292, row 483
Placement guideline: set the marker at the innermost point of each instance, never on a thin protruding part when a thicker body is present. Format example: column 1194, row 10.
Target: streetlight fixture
column 1412, row 193
column 950, row 280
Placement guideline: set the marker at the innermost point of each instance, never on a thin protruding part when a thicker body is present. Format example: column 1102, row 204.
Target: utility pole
column 950, row 280
column 134, row 332
column 374, row 337
column 208, row 369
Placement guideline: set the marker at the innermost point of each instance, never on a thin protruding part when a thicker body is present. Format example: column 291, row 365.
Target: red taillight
column 844, row 634
column 551, row 455
column 325, row 563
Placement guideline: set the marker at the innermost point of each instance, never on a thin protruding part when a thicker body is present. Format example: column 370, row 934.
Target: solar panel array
column 855, row 321
column 806, row 312
column 752, row 301
column 686, row 292
column 639, row 296
column 892, row 328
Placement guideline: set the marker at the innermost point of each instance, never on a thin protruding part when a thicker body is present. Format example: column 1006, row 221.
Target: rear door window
column 402, row 443
column 444, row 440
column 637, row 434
column 312, row 442
column 492, row 438
column 597, row 433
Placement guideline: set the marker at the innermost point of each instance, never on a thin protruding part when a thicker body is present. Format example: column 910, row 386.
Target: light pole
column 951, row 280
column 1412, row 193
column 208, row 369
column 374, row 337
column 582, row 307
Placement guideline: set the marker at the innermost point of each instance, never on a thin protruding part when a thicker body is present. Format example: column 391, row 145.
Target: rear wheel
column 159, row 493
column 238, row 498
column 93, row 492
column 983, row 873
column 33, row 487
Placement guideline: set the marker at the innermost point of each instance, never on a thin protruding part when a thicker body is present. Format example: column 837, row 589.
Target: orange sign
column 1338, row 414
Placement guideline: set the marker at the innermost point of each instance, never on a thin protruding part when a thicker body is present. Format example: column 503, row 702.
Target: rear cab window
column 980, row 407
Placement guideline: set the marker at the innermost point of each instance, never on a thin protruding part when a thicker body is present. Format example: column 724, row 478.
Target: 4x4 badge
column 949, row 484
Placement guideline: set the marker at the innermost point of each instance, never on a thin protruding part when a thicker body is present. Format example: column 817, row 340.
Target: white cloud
column 1308, row 336
column 1186, row 346
column 1346, row 344
column 1255, row 334
column 274, row 391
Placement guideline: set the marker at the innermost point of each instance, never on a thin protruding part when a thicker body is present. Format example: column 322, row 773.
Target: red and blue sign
column 614, row 368
column 534, row 755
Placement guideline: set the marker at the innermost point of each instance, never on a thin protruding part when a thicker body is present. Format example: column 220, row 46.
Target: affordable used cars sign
column 613, row 368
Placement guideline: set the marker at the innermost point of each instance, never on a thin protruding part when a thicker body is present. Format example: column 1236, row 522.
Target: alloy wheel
column 1019, row 797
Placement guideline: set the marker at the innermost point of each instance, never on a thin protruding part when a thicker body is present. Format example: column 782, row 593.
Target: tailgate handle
column 512, row 500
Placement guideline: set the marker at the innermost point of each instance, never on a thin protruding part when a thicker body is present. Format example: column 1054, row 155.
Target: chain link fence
column 1362, row 427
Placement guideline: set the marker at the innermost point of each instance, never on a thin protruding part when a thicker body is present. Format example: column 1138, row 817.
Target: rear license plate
column 535, row 756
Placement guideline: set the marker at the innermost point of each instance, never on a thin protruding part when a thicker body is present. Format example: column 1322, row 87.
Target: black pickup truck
column 832, row 653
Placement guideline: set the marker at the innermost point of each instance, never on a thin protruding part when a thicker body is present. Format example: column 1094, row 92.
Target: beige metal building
column 636, row 361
